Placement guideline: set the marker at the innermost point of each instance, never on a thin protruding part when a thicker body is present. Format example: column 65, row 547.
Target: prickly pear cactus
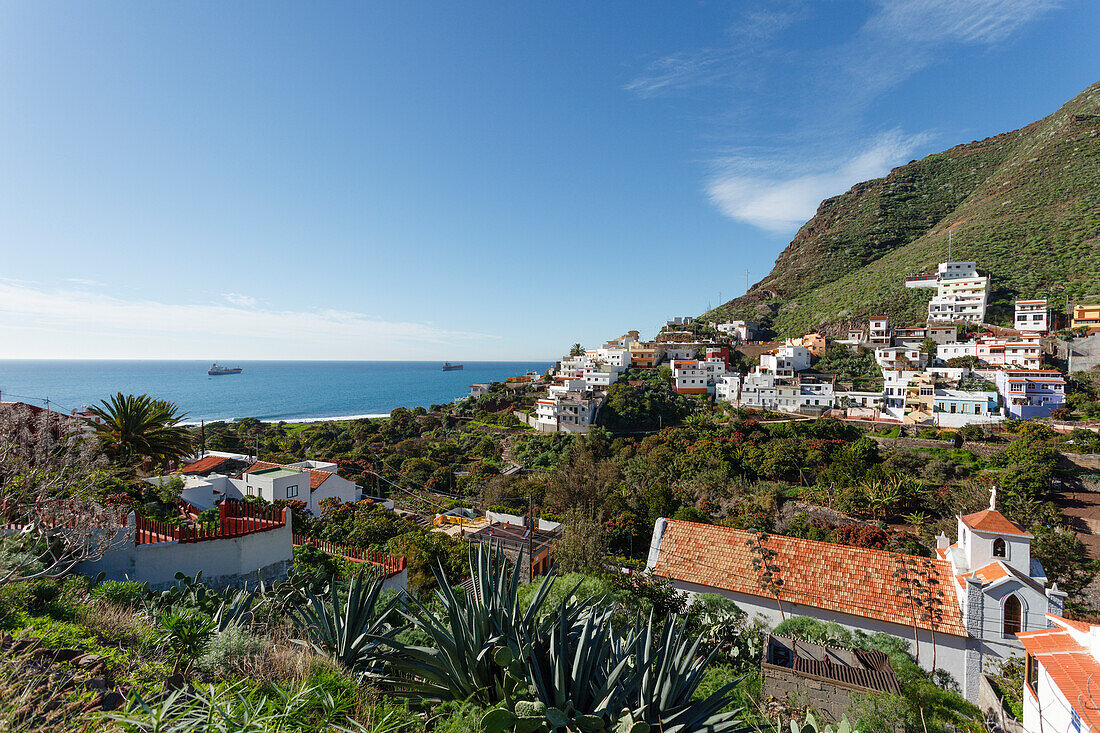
column 812, row 726
column 535, row 717
column 627, row 724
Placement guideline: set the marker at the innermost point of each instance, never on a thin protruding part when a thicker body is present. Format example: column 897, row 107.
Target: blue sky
column 462, row 180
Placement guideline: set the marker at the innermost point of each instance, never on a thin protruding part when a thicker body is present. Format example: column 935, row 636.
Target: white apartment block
column 691, row 376
column 898, row 357
column 961, row 293
column 728, row 388
column 738, row 330
column 568, row 407
column 786, row 361
column 1023, row 352
column 879, row 331
column 806, row 395
column 860, row 398
column 1032, row 315
column 611, row 356
column 758, row 389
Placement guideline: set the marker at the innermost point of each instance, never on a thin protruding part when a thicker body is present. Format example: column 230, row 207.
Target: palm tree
column 139, row 428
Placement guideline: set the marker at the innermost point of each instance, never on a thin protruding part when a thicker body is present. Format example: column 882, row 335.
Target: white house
column 990, row 587
column 758, row 389
column 728, row 388
column 306, row 481
column 570, row 406
column 961, row 293
column 695, row 376
column 879, row 331
column 860, row 398
column 786, row 361
column 954, row 408
column 737, row 330
column 894, row 357
column 1032, row 315
column 805, row 395
column 1061, row 672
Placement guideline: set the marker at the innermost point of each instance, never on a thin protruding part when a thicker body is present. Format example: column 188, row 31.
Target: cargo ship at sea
column 217, row 370
column 449, row 367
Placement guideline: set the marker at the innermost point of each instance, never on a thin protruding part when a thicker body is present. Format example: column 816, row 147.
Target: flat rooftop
column 277, row 472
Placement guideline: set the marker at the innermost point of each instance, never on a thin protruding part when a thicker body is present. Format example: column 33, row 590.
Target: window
column 1013, row 621
column 291, row 491
column 999, row 548
column 248, row 490
column 1031, row 674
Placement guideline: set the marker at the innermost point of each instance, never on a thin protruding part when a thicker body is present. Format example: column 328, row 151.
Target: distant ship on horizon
column 217, row 370
column 449, row 367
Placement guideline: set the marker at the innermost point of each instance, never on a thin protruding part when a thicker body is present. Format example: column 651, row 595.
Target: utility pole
column 746, row 280
column 202, row 438
column 530, row 538
column 950, row 238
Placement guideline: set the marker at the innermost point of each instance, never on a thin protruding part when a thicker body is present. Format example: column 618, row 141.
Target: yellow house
column 814, row 342
column 920, row 397
column 1086, row 315
column 647, row 355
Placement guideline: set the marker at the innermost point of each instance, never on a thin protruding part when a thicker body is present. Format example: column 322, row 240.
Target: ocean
column 267, row 390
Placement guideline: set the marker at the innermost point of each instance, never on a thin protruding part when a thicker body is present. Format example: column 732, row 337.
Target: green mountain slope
column 1024, row 205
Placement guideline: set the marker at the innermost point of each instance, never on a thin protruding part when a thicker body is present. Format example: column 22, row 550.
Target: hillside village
column 952, row 371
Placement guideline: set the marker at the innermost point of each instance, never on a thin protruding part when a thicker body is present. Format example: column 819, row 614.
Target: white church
column 986, row 586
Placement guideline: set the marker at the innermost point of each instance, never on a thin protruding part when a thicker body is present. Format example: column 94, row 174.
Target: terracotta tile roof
column 316, row 478
column 831, row 577
column 990, row 520
column 1069, row 665
column 209, row 463
column 992, row 571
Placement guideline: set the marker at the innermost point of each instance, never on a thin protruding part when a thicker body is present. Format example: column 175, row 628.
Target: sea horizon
column 268, row 390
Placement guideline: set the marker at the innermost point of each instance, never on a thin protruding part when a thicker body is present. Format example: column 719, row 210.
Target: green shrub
column 458, row 717
column 123, row 593
column 42, row 596
column 228, row 651
column 184, row 633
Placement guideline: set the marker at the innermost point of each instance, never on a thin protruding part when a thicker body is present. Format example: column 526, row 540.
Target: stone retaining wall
column 829, row 698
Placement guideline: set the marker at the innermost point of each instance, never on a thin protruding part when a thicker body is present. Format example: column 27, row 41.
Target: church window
column 1014, row 612
column 999, row 548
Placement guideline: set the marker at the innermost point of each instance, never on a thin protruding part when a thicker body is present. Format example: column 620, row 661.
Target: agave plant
column 459, row 665
column 351, row 633
column 666, row 672
column 585, row 666
column 812, row 726
column 235, row 610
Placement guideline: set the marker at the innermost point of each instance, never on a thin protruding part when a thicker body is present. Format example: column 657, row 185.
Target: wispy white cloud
column 244, row 301
column 794, row 110
column 961, row 21
column 85, row 281
column 782, row 201
column 89, row 324
column 747, row 43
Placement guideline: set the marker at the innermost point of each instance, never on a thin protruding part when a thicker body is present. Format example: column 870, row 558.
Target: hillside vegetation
column 1025, row 205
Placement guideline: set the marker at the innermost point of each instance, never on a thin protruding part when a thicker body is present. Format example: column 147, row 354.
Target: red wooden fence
column 235, row 519
column 387, row 563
